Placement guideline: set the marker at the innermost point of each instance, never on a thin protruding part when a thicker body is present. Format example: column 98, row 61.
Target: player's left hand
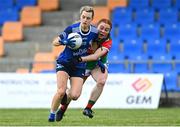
column 102, row 66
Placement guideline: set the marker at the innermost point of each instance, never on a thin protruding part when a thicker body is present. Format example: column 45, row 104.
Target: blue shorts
column 78, row 72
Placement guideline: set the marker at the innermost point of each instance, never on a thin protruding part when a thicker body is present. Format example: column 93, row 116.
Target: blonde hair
column 87, row 9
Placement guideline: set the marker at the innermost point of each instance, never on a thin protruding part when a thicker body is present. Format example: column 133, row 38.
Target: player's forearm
column 93, row 57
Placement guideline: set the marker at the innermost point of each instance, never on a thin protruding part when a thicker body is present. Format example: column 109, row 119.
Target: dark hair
column 107, row 21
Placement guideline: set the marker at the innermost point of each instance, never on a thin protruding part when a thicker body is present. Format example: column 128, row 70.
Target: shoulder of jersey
column 109, row 41
column 75, row 24
column 94, row 29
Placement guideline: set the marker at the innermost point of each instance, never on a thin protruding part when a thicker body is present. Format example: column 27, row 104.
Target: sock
column 64, row 99
column 90, row 104
column 64, row 107
column 52, row 112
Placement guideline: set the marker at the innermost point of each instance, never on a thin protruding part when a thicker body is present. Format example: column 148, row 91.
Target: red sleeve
column 107, row 44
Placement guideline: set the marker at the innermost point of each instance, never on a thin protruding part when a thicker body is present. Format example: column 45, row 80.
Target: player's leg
column 62, row 78
column 64, row 105
column 100, row 79
column 72, row 94
column 76, row 81
column 76, row 88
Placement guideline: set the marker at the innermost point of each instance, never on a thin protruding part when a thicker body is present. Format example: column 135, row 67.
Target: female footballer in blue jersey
column 65, row 70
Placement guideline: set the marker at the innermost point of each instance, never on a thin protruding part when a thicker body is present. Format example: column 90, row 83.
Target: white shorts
column 88, row 71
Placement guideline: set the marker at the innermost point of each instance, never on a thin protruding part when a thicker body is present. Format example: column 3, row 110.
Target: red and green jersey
column 105, row 45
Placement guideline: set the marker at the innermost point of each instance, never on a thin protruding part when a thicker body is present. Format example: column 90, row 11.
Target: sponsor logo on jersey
column 80, row 52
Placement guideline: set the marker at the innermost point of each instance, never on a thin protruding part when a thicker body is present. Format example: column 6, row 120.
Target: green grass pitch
column 102, row 117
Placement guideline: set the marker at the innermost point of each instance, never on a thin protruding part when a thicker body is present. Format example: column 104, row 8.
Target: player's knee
column 61, row 93
column 101, row 82
column 74, row 96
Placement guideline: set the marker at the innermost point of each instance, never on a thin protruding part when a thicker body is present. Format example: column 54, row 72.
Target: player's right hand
column 69, row 42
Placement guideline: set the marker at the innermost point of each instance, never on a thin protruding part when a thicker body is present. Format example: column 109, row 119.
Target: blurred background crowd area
column 145, row 35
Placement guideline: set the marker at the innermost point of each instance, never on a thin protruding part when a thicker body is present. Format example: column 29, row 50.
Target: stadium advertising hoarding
column 121, row 91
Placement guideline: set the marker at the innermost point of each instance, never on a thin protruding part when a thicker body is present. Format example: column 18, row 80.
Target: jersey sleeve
column 107, row 44
column 65, row 33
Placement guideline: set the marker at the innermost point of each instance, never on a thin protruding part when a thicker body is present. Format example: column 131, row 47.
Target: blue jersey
column 87, row 38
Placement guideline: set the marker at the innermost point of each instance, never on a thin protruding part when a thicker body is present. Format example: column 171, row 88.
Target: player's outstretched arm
column 93, row 57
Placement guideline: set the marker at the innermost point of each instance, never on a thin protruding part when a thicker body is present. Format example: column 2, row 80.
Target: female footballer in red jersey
column 99, row 73
column 96, row 66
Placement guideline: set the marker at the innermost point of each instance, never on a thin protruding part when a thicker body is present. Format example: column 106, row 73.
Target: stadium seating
column 9, row 14
column 121, row 15
column 161, row 67
column 12, row 31
column 2, row 52
column 156, row 47
column 22, row 70
column 141, row 67
column 144, row 16
column 162, row 57
column 48, row 5
column 48, row 71
column 99, row 15
column 171, row 81
column 138, row 57
column 116, row 3
column 31, row 16
column 118, row 68
column 6, row 4
column 20, row 4
column 174, row 40
column 159, row 4
column 132, row 45
column 149, row 32
column 168, row 15
column 43, row 61
column 56, row 50
column 155, row 22
column 137, row 4
column 177, row 4
column 177, row 66
column 174, row 50
column 115, row 56
column 114, row 34
column 171, row 31
column 127, row 31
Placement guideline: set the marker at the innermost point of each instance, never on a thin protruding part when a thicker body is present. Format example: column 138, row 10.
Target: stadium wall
column 121, row 91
